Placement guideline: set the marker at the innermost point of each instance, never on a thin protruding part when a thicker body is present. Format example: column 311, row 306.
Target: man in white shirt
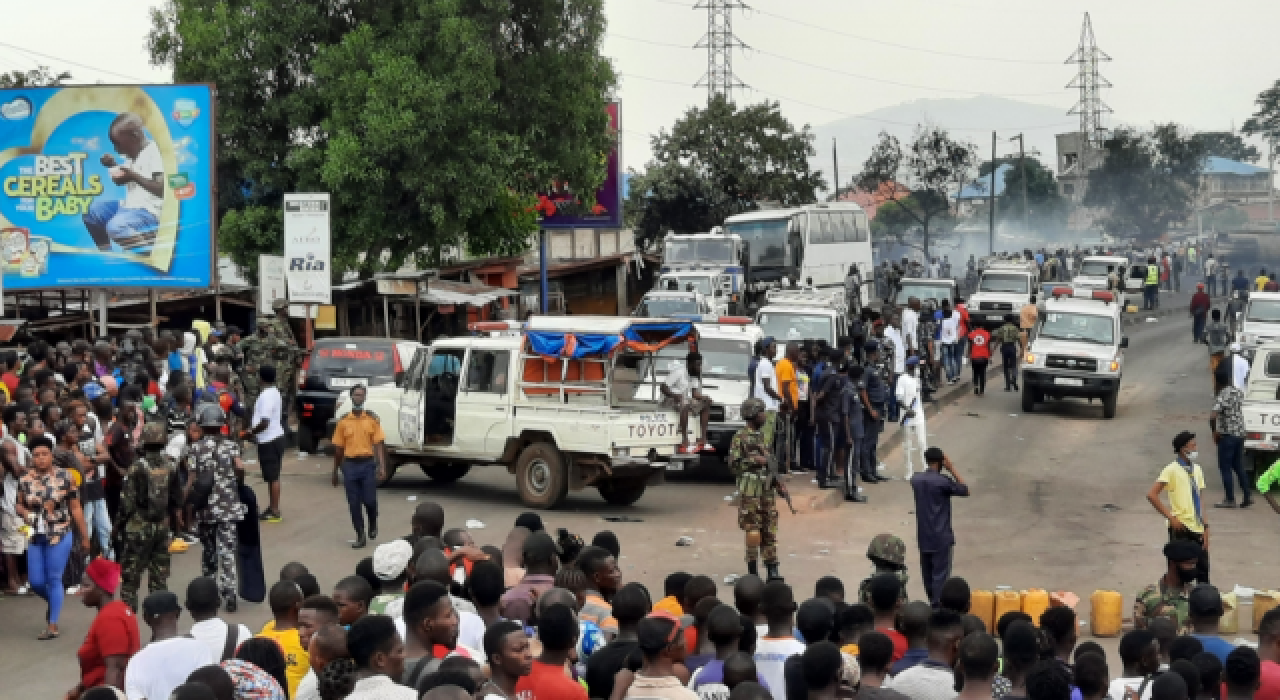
column 266, row 429
column 378, row 652
column 914, row 431
column 327, row 644
column 165, row 663
column 1239, row 367
column 766, row 388
column 203, row 601
column 911, row 325
column 933, row 678
column 949, row 336
column 129, row 224
column 778, row 604
column 683, row 391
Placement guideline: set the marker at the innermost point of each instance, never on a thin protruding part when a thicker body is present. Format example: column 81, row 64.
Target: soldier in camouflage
column 1168, row 597
column 888, row 554
column 757, row 509
column 217, row 515
column 151, row 492
column 285, row 354
column 254, row 351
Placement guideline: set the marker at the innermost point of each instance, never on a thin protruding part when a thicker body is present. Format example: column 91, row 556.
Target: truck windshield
column 1007, row 283
column 1264, row 310
column 922, row 291
column 767, row 239
column 721, row 357
column 664, row 308
column 688, row 251
column 1083, row 327
column 1096, row 268
column 786, row 327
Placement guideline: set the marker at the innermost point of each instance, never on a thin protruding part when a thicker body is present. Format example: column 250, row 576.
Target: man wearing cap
column 757, row 508
column 1199, row 311
column 1204, row 605
column 390, row 560
column 1169, row 597
column 1183, row 480
column 216, row 463
column 152, row 490
column 165, row 663
column 913, row 424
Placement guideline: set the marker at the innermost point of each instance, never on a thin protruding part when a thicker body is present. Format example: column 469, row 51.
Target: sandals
column 47, row 635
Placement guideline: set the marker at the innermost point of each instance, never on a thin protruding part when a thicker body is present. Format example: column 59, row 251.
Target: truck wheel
column 446, row 473
column 1109, row 405
column 541, row 476
column 622, row 492
column 1028, row 400
column 392, row 466
column 306, row 438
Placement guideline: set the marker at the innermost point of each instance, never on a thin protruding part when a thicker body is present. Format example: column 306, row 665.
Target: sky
column 1195, row 63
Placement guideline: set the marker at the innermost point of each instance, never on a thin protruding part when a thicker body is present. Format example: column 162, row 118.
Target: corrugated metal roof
column 1222, row 166
column 449, row 292
column 982, row 189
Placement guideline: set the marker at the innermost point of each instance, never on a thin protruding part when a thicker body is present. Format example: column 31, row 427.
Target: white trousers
column 914, row 438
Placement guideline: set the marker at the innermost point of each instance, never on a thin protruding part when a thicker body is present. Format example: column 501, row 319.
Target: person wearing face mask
column 1170, row 596
column 1183, row 480
column 360, row 454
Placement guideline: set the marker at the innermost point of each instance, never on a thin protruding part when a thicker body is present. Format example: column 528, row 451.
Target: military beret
column 1181, row 550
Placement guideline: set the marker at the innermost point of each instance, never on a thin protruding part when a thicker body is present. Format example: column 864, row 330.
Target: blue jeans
column 45, row 563
column 1231, row 460
column 98, row 521
column 360, row 476
column 133, row 230
column 1197, row 327
column 951, row 359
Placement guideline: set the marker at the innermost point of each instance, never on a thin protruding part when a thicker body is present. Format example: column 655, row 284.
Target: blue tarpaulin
column 578, row 345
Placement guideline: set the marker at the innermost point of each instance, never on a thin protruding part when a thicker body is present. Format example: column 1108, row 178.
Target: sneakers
column 178, row 546
column 270, row 516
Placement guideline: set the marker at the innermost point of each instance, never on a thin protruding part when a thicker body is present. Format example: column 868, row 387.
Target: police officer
column 1168, row 597
column 215, row 498
column 874, row 389
column 151, row 492
column 757, row 510
column 1151, row 288
column 888, row 555
column 854, row 432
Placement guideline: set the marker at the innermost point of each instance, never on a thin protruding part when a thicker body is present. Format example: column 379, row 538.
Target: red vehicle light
column 1104, row 296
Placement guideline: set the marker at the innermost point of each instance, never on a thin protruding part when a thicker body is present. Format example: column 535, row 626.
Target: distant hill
column 971, row 118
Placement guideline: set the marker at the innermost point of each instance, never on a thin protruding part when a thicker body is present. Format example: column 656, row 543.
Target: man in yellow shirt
column 1261, row 280
column 1183, row 480
column 790, row 392
column 361, row 456
column 286, row 599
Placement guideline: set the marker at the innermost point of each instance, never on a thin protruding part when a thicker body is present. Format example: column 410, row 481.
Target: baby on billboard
column 130, row 224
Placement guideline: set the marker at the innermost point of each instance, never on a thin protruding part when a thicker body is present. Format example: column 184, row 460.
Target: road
column 1058, row 503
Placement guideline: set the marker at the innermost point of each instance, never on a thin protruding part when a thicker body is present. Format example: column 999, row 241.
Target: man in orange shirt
column 361, row 457
column 790, row 391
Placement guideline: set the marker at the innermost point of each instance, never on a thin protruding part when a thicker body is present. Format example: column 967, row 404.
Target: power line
column 74, row 63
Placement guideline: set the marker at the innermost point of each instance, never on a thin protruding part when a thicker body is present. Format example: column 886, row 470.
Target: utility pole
column 1022, row 170
column 835, row 164
column 1271, row 176
column 992, row 232
column 720, row 41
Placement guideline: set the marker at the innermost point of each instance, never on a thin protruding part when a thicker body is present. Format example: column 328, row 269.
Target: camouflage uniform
column 757, row 509
column 216, row 522
column 151, row 492
column 282, row 351
column 1159, row 600
column 889, row 555
column 254, row 350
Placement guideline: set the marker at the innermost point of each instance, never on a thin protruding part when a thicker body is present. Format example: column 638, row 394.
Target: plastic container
column 1034, row 602
column 1230, row 621
column 1006, row 601
column 982, row 604
column 1262, row 602
column 1106, row 613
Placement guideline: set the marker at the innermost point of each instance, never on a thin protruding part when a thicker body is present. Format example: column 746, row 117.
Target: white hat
column 390, row 559
column 1235, row 347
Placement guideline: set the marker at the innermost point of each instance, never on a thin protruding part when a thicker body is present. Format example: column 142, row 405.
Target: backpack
column 1217, row 337
column 201, row 489
column 152, row 493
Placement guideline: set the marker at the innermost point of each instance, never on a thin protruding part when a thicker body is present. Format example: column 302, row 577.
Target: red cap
column 105, row 574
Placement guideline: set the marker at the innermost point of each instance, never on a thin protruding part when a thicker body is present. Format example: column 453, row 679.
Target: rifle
column 772, row 482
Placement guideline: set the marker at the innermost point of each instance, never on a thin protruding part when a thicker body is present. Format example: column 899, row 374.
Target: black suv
column 337, row 364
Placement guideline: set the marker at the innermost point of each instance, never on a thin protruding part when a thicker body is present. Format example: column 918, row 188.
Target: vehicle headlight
column 621, row 451
column 1115, row 366
column 1030, row 358
column 732, row 412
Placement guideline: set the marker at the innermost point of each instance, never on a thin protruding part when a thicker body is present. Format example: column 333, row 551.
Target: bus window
column 820, row 231
column 845, row 227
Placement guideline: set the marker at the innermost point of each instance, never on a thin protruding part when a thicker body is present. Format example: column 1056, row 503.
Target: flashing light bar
column 1084, row 293
column 495, row 326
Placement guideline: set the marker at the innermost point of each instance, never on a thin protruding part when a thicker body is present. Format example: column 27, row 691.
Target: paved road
column 1040, row 483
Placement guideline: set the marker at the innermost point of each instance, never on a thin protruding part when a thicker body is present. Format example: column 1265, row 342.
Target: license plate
column 674, row 466
column 995, row 318
column 346, row 382
column 1064, row 381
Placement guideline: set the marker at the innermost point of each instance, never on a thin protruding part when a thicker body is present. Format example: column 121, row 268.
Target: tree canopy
column 1265, row 121
column 41, row 76
column 719, row 161
column 1147, row 180
column 1227, row 144
column 433, row 123
column 1045, row 209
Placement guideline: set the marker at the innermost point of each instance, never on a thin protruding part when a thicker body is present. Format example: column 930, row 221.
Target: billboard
column 306, row 248
column 107, row 186
column 561, row 208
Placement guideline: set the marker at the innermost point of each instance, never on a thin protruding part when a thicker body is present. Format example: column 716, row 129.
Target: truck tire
column 1028, row 400
column 541, row 476
column 446, row 473
column 306, row 439
column 622, row 492
column 1109, row 404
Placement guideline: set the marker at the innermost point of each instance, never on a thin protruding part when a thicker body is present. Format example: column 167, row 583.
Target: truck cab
column 556, row 403
column 1004, row 288
column 797, row 315
column 666, row 303
column 1260, row 323
column 1077, row 350
column 717, row 289
column 1093, row 275
column 925, row 288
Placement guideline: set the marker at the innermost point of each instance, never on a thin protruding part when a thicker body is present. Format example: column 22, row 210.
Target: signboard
column 306, row 248
column 107, row 186
column 561, row 208
column 270, row 281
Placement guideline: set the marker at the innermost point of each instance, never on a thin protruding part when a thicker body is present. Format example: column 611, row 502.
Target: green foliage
column 717, row 162
column 40, row 77
column 1045, row 207
column 930, row 166
column 1147, row 181
column 1265, row 121
column 431, row 122
column 1226, row 144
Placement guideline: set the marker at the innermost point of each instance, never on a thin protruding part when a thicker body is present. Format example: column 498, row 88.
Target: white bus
column 815, row 241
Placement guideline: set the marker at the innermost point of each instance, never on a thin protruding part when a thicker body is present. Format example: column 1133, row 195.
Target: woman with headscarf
column 251, row 682
column 113, row 635
column 266, row 654
column 47, row 503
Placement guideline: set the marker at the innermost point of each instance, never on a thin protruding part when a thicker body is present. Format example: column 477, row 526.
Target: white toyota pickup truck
column 1262, row 409
column 554, row 401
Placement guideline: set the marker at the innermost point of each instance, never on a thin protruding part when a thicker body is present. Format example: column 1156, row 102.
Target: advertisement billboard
column 107, row 186
column 306, row 248
column 561, row 208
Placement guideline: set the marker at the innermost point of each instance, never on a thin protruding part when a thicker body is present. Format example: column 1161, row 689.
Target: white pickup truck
column 555, row 402
column 1262, row 408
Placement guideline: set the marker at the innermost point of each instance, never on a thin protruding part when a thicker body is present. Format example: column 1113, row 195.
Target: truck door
column 484, row 402
column 410, row 416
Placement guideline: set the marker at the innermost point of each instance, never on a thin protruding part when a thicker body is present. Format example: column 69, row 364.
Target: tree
column 40, row 77
column 1265, row 122
column 720, row 161
column 931, row 167
column 433, row 123
column 1147, row 180
column 1226, row 144
column 1045, row 208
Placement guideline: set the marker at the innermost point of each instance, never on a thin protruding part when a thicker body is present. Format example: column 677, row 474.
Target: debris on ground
column 1109, row 508
column 302, row 455
column 412, row 498
column 621, row 519
column 731, row 579
column 474, row 525
column 685, row 541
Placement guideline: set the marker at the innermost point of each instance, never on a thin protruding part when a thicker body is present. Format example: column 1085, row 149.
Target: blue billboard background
column 55, row 187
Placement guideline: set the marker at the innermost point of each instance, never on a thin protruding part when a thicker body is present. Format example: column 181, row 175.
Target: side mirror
column 1124, row 342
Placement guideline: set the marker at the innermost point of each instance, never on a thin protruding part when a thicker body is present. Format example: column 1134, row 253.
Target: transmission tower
column 720, row 42
column 1090, row 107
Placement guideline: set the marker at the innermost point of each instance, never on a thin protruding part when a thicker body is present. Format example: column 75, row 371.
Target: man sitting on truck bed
column 683, row 391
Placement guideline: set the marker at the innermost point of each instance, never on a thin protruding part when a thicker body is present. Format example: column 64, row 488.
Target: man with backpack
column 152, row 490
column 215, row 498
column 1217, row 336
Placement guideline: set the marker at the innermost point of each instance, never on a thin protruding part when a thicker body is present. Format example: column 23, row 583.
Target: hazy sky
column 1193, row 62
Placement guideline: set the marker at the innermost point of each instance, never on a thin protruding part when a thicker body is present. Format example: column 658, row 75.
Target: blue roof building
column 981, row 188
